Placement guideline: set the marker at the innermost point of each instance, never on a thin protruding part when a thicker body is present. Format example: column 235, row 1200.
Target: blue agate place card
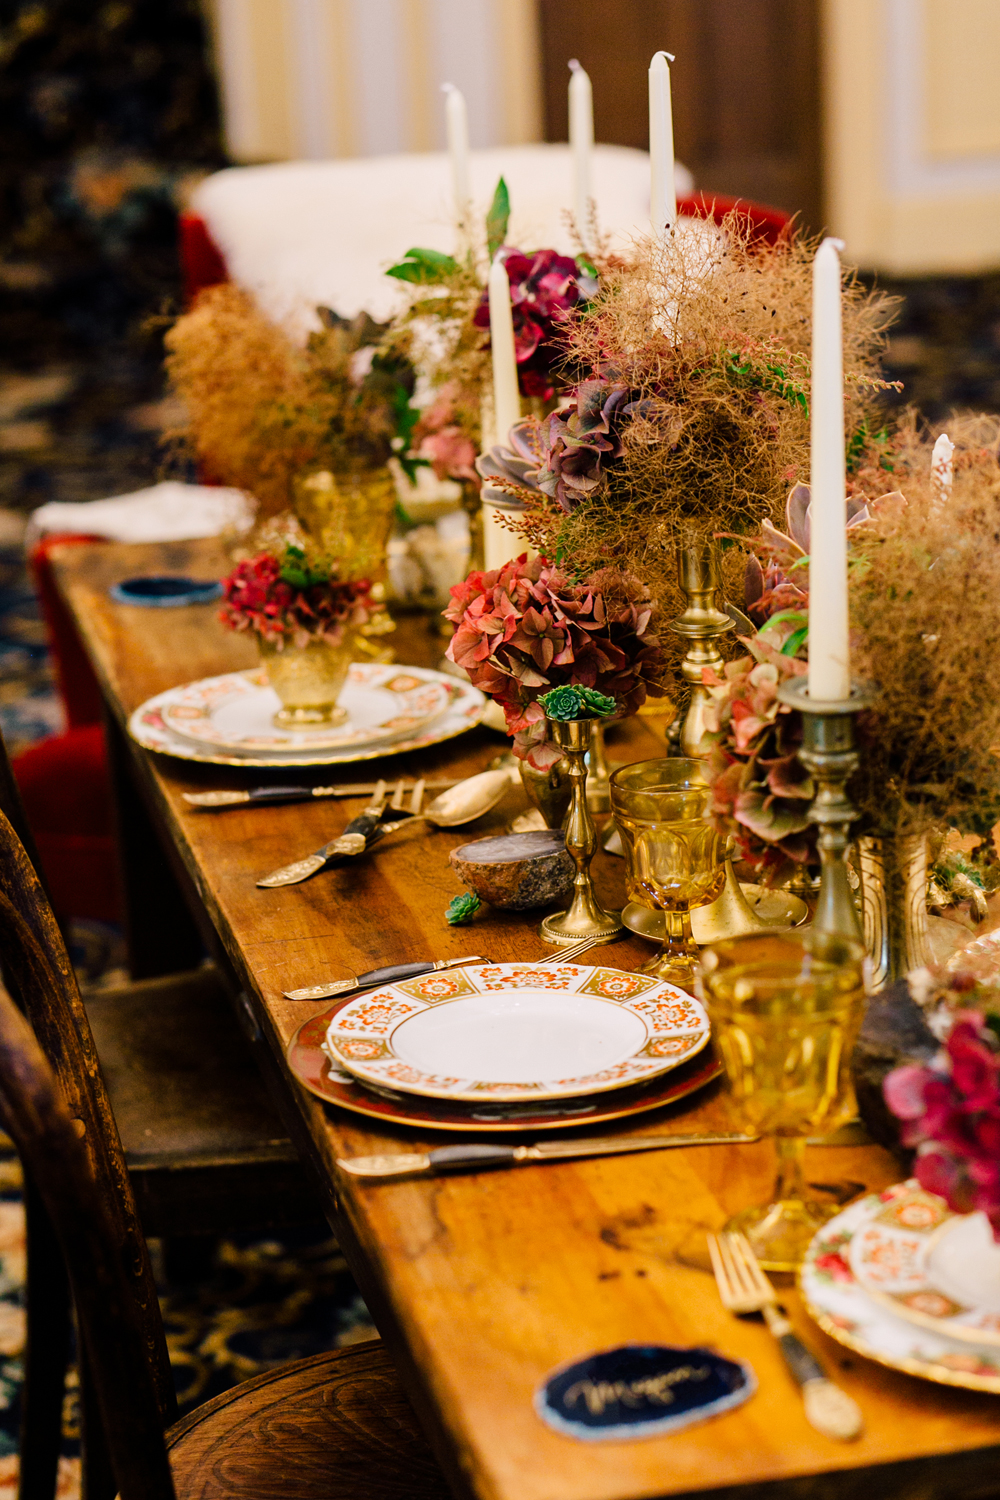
column 641, row 1390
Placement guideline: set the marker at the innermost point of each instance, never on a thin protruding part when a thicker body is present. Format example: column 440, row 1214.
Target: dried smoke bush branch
column 261, row 409
column 925, row 634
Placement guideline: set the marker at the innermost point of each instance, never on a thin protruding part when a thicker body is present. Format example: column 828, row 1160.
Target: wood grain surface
column 481, row 1284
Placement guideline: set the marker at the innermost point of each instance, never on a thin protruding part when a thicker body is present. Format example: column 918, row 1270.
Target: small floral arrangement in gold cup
column 302, row 615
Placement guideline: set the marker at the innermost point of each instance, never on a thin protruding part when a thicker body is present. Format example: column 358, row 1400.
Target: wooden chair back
column 81, row 1208
column 40, row 976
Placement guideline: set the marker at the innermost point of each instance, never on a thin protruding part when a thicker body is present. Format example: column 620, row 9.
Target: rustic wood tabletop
column 482, row 1284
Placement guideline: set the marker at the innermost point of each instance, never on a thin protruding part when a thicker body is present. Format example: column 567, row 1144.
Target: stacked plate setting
column 496, row 1044
column 229, row 720
column 901, row 1279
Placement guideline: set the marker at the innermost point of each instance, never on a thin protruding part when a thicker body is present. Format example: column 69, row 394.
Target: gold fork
column 744, row 1288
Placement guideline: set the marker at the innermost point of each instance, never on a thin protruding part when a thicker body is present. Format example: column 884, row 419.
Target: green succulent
column 576, row 703
column 462, row 908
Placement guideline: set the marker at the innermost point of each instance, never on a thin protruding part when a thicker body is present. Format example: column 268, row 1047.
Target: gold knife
column 473, row 1158
column 353, row 840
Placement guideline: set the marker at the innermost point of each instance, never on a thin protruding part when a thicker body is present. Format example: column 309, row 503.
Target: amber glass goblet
column 786, row 1008
column 673, row 854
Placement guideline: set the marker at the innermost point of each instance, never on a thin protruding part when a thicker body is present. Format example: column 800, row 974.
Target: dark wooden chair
column 335, row 1427
column 206, row 1149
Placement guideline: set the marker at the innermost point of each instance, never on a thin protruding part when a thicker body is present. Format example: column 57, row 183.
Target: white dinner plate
column 464, row 707
column 517, row 1032
column 235, row 712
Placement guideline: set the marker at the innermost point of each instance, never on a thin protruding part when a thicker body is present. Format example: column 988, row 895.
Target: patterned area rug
column 231, row 1308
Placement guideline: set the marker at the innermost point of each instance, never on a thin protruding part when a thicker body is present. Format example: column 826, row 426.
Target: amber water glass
column 786, row 1009
column 673, row 854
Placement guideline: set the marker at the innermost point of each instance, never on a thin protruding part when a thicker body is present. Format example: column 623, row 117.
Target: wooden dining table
column 481, row 1284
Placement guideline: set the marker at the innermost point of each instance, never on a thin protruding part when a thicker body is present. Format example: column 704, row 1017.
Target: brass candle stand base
column 701, row 624
column 829, row 755
column 585, row 916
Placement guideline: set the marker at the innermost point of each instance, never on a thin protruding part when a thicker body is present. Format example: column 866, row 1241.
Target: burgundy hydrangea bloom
column 951, row 1114
column 544, row 288
column 525, row 628
column 258, row 597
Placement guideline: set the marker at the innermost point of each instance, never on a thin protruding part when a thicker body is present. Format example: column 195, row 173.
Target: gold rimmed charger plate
column 313, row 1068
column 847, row 1311
column 465, row 707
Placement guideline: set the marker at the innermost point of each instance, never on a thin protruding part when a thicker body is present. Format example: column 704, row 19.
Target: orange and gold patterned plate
column 313, row 1067
column 515, row 1032
column 901, row 1279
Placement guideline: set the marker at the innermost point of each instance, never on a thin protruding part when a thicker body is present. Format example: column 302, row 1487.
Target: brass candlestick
column 701, row 624
column 585, row 917
column 829, row 755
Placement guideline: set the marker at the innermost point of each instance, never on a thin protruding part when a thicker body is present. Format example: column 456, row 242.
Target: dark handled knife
column 374, row 977
column 472, row 1158
column 356, row 836
column 259, row 795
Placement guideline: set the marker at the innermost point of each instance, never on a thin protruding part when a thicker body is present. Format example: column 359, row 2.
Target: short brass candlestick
column 701, row 624
column 585, row 917
column 829, row 755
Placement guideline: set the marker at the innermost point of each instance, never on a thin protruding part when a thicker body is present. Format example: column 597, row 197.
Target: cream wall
column 324, row 78
column 912, row 122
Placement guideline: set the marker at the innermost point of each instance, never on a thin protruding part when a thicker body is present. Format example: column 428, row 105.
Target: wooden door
column 746, row 88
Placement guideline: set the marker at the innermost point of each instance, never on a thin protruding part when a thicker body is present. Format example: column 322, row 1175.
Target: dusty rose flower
column 281, row 598
column 525, row 628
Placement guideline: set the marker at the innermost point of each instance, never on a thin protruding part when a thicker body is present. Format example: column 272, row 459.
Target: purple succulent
column 769, row 589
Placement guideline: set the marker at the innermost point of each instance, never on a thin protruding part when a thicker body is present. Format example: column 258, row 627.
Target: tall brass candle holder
column 829, row 755
column 585, row 917
column 701, row 624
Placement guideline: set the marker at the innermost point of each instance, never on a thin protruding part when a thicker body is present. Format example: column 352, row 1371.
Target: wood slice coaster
column 516, row 871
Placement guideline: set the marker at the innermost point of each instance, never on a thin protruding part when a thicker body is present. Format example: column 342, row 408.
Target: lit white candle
column 581, row 140
column 457, row 123
column 941, row 466
column 829, row 652
column 498, row 543
column 662, row 194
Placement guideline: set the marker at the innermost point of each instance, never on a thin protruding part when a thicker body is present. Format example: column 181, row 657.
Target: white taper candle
column 942, row 471
column 662, row 192
column 829, row 651
column 457, row 125
column 581, row 140
column 498, row 543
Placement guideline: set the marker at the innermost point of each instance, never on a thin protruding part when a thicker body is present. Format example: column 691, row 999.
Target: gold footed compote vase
column 786, row 1009
column 585, row 916
column 308, row 679
column 674, row 857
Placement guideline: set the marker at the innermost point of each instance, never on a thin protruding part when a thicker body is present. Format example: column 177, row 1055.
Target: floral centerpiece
column 950, row 1107
column 302, row 614
column 263, row 409
column 526, row 628
column 445, row 332
column 688, row 408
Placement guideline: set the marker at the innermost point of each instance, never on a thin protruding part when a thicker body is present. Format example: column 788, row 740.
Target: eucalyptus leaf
column 424, row 267
column 497, row 219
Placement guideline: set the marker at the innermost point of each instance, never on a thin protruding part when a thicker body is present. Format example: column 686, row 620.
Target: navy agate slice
column 641, row 1390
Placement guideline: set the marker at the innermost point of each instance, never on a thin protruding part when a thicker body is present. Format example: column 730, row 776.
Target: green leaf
column 795, row 640
column 424, row 267
column 497, row 219
column 787, row 616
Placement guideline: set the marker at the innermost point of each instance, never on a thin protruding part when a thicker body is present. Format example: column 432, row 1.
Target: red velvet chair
column 64, row 780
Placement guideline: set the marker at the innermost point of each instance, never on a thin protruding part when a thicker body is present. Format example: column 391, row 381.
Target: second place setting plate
column 235, row 712
column 517, row 1032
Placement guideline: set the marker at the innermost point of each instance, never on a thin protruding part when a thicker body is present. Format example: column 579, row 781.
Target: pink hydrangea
column 525, row 628
column 951, row 1115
